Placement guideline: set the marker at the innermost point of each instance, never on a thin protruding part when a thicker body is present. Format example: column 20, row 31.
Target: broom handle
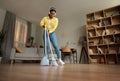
column 50, row 44
column 45, row 41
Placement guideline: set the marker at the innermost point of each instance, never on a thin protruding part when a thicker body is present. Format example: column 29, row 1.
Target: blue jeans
column 53, row 40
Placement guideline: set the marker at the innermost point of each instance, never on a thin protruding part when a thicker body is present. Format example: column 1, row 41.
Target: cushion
column 18, row 49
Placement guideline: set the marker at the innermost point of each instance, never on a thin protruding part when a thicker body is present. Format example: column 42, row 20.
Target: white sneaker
column 60, row 62
column 54, row 63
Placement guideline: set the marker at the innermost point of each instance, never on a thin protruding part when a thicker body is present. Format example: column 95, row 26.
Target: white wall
column 2, row 17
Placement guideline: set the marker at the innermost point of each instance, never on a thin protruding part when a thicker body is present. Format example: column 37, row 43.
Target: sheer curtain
column 20, row 33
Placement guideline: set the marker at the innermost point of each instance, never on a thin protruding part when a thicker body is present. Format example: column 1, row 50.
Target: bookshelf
column 103, row 35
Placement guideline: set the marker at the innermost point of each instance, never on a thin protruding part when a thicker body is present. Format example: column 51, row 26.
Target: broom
column 45, row 60
column 53, row 60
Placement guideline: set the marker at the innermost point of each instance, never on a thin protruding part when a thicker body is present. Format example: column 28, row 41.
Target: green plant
column 31, row 40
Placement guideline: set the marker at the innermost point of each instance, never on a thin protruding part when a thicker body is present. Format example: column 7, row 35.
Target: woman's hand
column 43, row 26
column 48, row 32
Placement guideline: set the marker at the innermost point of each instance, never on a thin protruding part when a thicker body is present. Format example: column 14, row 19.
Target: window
column 20, row 33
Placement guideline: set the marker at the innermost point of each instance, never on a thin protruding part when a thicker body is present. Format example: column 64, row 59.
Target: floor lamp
column 83, row 55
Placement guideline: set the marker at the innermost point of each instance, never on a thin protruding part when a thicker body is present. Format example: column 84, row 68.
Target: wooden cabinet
column 103, row 35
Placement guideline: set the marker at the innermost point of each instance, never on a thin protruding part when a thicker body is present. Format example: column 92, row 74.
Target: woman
column 51, row 23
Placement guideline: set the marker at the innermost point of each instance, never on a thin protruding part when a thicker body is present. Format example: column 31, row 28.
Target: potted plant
column 31, row 40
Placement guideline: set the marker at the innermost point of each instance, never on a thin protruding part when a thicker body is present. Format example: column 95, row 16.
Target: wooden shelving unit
column 103, row 36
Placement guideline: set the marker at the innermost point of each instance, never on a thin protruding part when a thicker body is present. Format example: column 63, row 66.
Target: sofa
column 28, row 54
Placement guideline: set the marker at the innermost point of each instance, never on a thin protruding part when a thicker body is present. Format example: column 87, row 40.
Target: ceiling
column 31, row 10
column 34, row 10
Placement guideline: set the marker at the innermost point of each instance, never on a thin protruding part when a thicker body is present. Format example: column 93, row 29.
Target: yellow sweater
column 50, row 24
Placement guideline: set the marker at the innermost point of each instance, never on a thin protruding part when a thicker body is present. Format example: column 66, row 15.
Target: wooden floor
column 68, row 72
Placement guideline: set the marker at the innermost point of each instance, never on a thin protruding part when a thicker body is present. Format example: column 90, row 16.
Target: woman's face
column 52, row 14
